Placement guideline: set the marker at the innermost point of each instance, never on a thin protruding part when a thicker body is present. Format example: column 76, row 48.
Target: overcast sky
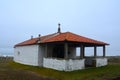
column 97, row 19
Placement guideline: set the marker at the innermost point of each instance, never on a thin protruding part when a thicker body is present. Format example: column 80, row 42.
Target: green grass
column 10, row 70
column 101, row 73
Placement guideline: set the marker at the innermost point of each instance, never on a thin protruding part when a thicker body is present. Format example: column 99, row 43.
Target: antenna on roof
column 59, row 30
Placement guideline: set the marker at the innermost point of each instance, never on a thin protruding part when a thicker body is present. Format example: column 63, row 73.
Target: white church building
column 58, row 51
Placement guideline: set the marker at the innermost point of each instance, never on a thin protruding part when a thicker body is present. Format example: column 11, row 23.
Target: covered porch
column 62, row 56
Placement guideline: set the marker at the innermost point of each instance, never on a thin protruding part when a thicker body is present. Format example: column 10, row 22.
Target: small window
column 18, row 53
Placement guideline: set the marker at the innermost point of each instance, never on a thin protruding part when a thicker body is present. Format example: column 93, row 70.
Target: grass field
column 10, row 70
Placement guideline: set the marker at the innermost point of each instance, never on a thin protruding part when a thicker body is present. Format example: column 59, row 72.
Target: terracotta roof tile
column 34, row 40
column 57, row 37
column 68, row 36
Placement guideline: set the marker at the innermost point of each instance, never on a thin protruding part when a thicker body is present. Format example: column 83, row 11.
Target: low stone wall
column 101, row 62
column 96, row 62
column 64, row 65
column 5, row 59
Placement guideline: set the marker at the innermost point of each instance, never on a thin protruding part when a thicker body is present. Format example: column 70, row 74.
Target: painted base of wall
column 64, row 65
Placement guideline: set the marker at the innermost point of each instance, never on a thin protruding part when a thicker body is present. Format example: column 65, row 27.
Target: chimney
column 39, row 37
column 31, row 37
column 39, row 40
column 59, row 30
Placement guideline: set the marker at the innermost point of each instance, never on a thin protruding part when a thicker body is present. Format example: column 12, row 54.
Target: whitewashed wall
column 101, row 62
column 72, row 65
column 64, row 65
column 26, row 54
column 41, row 54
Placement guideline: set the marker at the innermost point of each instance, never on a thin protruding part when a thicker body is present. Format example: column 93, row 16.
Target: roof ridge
column 67, row 35
column 49, row 36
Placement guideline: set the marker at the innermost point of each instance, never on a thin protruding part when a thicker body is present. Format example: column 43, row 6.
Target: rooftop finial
column 59, row 30
column 39, row 36
column 31, row 37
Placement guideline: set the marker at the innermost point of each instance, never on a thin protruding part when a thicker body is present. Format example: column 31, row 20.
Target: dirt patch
column 117, row 78
column 9, row 73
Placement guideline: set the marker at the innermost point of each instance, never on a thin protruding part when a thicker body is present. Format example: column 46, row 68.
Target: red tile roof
column 59, row 37
column 35, row 40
